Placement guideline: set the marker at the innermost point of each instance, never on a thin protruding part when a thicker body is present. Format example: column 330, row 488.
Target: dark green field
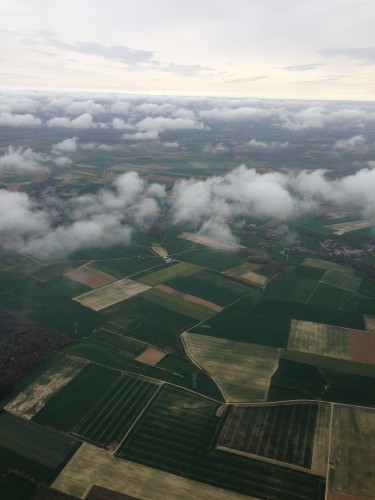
column 290, row 287
column 142, row 320
column 210, row 286
column 122, row 268
column 327, row 296
column 281, row 432
column 116, row 411
column 178, row 433
column 73, row 401
column 33, row 449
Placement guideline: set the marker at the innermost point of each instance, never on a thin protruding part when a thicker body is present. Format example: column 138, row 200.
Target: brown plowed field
column 340, row 496
column 151, row 356
column 190, row 298
column 362, row 346
column 90, row 277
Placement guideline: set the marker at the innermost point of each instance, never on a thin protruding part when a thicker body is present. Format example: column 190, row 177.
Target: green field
column 327, row 296
column 342, row 280
column 177, row 435
column 16, row 487
column 74, row 400
column 280, row 432
column 148, row 322
column 173, row 270
column 33, row 449
column 168, row 301
column 123, row 268
column 210, row 286
column 116, row 411
column 290, row 287
column 328, row 266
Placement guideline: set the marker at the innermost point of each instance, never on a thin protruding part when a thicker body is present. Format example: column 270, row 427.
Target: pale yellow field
column 243, row 371
column 162, row 252
column 370, row 323
column 36, row 395
column 347, row 227
column 210, row 242
column 91, row 465
column 113, row 293
column 318, row 338
column 254, row 278
column 352, row 451
column 238, row 271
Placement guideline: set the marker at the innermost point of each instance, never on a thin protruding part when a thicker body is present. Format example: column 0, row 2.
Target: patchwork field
column 280, row 432
column 172, row 271
column 327, row 265
column 90, row 277
column 37, row 451
column 35, row 396
column 347, row 227
column 351, row 455
column 176, row 434
column 321, row 442
column 116, row 411
column 242, row 371
column 210, row 242
column 111, row 294
column 318, row 338
column 91, row 465
column 238, row 271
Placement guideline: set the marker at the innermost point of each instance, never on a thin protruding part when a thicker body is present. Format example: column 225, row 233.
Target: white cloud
column 353, row 142
column 66, row 146
column 150, row 135
column 216, row 148
column 23, row 160
column 236, row 114
column 12, row 120
column 83, row 121
column 120, row 124
column 254, row 143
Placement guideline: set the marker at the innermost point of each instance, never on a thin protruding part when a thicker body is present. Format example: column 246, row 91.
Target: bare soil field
column 210, row 242
column 90, row 277
column 189, row 298
column 151, row 356
column 347, row 227
column 352, row 451
column 318, row 338
column 113, row 293
column 91, row 465
column 370, row 323
column 243, row 371
column 340, row 496
column 362, row 346
column 36, row 395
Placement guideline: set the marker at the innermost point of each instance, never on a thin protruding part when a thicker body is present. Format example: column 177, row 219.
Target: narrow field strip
column 189, row 298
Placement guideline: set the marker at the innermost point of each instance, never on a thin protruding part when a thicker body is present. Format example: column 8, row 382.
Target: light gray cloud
column 254, row 143
column 216, row 148
column 356, row 141
column 16, row 120
column 119, row 53
column 301, row 67
column 23, row 160
column 188, row 69
column 235, row 114
column 120, row 124
column 364, row 55
column 83, row 121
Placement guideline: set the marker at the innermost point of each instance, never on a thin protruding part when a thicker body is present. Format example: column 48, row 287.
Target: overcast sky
column 308, row 49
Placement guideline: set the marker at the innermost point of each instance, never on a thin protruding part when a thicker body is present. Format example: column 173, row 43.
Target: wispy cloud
column 301, row 67
column 364, row 55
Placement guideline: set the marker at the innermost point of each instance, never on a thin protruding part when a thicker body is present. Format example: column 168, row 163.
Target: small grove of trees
column 24, row 344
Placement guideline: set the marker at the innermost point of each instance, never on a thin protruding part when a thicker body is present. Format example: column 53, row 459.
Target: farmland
column 90, row 277
column 176, row 435
column 291, row 288
column 284, row 433
column 27, row 446
column 91, row 465
column 210, row 242
column 346, row 227
column 35, row 396
column 180, row 269
column 351, row 471
column 242, row 371
column 113, row 293
column 116, row 411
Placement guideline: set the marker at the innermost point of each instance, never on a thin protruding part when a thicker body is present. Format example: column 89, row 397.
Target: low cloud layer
column 108, row 216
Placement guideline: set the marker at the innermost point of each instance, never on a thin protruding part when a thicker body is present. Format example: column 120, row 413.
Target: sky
column 289, row 49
